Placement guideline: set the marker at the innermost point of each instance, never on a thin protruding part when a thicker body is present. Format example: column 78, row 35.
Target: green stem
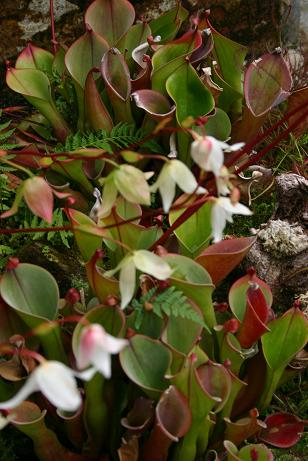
column 95, row 414
column 18, row 167
column 272, row 381
column 186, row 449
column 52, row 344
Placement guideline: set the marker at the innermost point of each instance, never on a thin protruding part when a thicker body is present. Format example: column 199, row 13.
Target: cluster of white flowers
column 56, row 380
column 208, row 153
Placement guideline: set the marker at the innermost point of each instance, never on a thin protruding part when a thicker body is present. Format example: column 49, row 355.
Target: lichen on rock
column 281, row 238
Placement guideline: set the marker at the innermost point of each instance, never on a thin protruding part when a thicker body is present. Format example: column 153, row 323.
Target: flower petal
column 56, row 381
column 115, row 345
column 182, row 176
column 235, row 147
column 152, row 264
column 131, row 183
column 218, row 222
column 108, row 199
column 166, row 187
column 101, row 360
column 127, row 283
column 29, row 387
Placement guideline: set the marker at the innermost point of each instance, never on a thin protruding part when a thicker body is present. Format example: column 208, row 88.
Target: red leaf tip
column 12, row 263
column 251, row 272
column 72, row 296
column 231, row 326
column 254, row 454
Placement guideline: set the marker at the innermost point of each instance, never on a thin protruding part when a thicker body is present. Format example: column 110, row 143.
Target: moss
column 263, row 210
column 281, row 238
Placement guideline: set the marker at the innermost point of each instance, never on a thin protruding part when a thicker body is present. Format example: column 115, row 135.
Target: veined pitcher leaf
column 85, row 54
column 283, row 430
column 135, row 362
column 230, row 58
column 30, row 289
column 190, row 95
column 154, row 103
column 195, row 233
column 34, row 85
column 134, row 37
column 267, row 83
column 167, row 24
column 110, row 18
column 238, row 294
column 168, row 58
column 33, row 57
column 288, row 335
column 97, row 114
column 221, row 258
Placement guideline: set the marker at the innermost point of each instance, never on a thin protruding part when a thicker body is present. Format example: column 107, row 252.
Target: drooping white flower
column 56, row 381
column 175, row 172
column 96, row 347
column 222, row 212
column 130, row 182
column 208, row 153
column 146, row 262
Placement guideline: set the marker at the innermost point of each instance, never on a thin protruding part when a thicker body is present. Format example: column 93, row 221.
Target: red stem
column 196, row 204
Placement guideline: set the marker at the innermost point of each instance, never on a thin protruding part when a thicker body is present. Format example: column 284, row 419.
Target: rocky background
column 263, row 25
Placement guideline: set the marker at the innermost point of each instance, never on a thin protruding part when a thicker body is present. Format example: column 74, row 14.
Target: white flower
column 56, row 381
column 208, row 153
column 222, row 212
column 96, row 347
column 130, row 182
column 144, row 261
column 175, row 172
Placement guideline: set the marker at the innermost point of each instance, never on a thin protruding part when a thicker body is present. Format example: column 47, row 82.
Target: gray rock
column 280, row 254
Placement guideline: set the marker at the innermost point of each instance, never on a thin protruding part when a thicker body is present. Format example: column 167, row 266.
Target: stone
column 65, row 264
column 280, row 254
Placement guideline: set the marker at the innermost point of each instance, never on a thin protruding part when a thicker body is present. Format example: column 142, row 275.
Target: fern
column 53, row 236
column 121, row 136
column 170, row 302
column 5, row 134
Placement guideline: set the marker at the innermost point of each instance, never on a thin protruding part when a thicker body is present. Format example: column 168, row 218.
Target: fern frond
column 121, row 136
column 171, row 302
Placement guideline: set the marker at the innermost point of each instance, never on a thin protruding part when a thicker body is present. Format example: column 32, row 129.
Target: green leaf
column 191, row 96
column 230, row 58
column 85, row 54
column 168, row 58
column 167, row 24
column 31, row 290
column 194, row 281
column 183, row 331
column 148, row 374
column 135, row 36
column 287, row 336
column 87, row 243
column 195, row 233
column 218, row 125
column 34, row 85
column 33, row 57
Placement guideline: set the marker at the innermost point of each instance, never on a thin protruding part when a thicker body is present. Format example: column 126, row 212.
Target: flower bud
column 12, row 263
column 72, row 296
column 231, row 326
